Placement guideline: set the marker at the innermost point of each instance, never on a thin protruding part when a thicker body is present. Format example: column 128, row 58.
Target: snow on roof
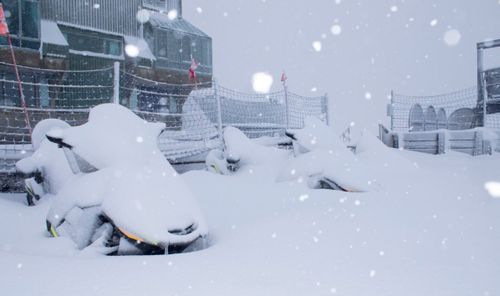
column 144, row 50
column 52, row 34
column 162, row 20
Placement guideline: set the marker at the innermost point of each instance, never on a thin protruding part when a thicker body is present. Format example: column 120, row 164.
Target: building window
column 174, row 48
column 83, row 40
column 186, row 49
column 156, row 4
column 23, row 18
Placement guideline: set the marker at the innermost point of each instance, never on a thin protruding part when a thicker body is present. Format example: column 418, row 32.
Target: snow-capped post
column 390, row 110
column 4, row 31
column 219, row 109
column 484, row 94
column 327, row 107
column 116, row 83
column 284, row 78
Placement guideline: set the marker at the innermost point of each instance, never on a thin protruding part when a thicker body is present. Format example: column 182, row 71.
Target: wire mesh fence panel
column 301, row 107
column 189, row 112
column 194, row 115
column 256, row 115
column 55, row 89
column 404, row 115
column 63, row 94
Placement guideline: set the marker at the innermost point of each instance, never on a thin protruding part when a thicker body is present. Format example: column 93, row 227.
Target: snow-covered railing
column 419, row 113
column 474, row 142
column 195, row 114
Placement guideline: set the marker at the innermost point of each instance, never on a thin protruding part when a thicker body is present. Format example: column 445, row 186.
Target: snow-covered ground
column 432, row 229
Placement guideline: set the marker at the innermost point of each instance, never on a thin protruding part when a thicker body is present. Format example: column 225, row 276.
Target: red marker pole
column 4, row 31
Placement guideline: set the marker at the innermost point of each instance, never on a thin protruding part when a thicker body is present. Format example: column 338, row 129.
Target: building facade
column 77, row 35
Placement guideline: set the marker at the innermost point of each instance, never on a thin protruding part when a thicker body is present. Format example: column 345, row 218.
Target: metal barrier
column 195, row 115
column 412, row 113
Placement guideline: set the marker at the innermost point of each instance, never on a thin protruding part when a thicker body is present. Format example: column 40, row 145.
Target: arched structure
column 431, row 119
column 461, row 119
column 416, row 119
column 442, row 119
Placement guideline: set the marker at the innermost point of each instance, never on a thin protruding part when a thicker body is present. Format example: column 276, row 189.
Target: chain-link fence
column 422, row 113
column 195, row 115
column 460, row 110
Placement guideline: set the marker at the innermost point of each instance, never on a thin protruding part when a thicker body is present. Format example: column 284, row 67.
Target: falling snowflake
column 493, row 189
column 132, row 50
column 142, row 16
column 336, row 29
column 317, row 46
column 172, row 14
column 452, row 37
column 434, row 22
column 262, row 82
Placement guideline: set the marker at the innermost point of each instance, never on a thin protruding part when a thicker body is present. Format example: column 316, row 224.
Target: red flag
column 4, row 29
column 192, row 70
column 284, row 78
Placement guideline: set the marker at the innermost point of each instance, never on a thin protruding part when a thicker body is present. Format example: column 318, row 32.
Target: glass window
column 30, row 19
column 186, row 49
column 113, row 47
column 174, row 48
column 158, row 4
column 162, row 44
column 11, row 9
column 197, row 50
column 90, row 41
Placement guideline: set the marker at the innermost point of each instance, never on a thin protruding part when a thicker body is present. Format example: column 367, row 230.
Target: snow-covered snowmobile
column 125, row 197
column 324, row 160
column 46, row 170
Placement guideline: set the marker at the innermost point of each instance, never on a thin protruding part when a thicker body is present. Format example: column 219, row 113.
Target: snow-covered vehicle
column 326, row 162
column 46, row 160
column 125, row 197
column 240, row 151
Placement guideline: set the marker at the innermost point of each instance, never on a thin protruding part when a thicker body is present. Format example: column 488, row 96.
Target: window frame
column 105, row 40
column 18, row 38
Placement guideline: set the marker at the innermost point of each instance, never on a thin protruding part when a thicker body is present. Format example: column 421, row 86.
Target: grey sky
column 384, row 45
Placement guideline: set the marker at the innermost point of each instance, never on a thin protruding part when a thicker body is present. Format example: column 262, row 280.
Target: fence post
column 219, row 109
column 116, row 83
column 327, row 106
column 287, row 108
column 484, row 94
column 392, row 110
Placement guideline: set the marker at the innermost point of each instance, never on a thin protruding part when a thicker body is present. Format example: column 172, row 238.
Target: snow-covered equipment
column 125, row 197
column 46, row 169
column 324, row 160
column 239, row 151
column 219, row 162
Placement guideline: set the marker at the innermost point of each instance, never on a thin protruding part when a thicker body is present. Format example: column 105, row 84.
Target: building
column 94, row 34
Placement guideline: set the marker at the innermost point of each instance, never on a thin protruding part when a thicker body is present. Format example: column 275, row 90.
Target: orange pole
column 20, row 86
